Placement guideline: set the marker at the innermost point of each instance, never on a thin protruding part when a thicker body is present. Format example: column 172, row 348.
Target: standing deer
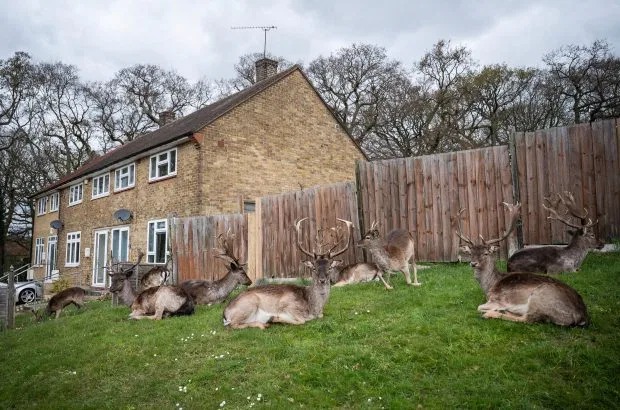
column 293, row 304
column 62, row 299
column 556, row 259
column 521, row 296
column 151, row 303
column 356, row 273
column 392, row 253
column 205, row 292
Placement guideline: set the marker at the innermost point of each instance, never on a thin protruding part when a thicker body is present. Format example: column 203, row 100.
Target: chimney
column 265, row 67
column 166, row 117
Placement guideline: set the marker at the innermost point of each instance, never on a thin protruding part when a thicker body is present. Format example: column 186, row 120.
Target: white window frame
column 72, row 256
column 151, row 253
column 119, row 252
column 42, row 206
column 54, row 202
column 76, row 194
column 101, row 186
column 39, row 249
column 156, row 161
column 127, row 172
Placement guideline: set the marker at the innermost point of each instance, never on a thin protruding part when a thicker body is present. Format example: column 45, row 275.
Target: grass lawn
column 421, row 347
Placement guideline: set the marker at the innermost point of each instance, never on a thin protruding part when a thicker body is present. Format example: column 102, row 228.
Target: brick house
column 269, row 138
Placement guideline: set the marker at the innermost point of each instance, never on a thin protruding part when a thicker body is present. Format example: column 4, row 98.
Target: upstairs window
column 42, row 206
column 125, row 177
column 54, row 201
column 75, row 194
column 101, row 186
column 73, row 249
column 163, row 165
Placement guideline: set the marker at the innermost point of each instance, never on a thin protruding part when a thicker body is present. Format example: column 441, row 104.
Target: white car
column 26, row 292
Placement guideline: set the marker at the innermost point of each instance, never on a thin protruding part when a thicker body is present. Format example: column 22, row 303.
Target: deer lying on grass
column 293, row 304
column 521, row 296
column 205, row 292
column 556, row 259
column 61, row 300
column 392, row 253
column 356, row 273
column 152, row 303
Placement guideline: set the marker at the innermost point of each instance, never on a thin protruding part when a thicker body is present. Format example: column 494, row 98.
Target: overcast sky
column 194, row 37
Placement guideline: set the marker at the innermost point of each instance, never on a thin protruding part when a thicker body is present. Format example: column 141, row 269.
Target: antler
column 298, row 229
column 513, row 212
column 349, row 227
column 459, row 229
column 568, row 200
column 225, row 250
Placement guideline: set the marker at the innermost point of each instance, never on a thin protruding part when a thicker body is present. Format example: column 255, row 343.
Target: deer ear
column 465, row 249
column 336, row 263
column 309, row 264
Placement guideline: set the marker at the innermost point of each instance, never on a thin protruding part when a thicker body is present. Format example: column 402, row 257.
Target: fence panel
column 582, row 159
column 193, row 240
column 321, row 205
column 424, row 195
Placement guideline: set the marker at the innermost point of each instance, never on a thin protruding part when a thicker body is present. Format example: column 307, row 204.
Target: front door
column 52, row 253
column 100, row 258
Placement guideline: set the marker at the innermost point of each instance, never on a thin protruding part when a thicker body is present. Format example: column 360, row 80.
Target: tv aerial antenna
column 264, row 28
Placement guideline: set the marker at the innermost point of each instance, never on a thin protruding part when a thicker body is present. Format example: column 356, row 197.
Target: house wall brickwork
column 281, row 140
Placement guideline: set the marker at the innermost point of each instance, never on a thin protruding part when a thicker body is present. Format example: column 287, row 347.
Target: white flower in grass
column 223, row 403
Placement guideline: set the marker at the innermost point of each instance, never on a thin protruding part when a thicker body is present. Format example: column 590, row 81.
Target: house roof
column 182, row 127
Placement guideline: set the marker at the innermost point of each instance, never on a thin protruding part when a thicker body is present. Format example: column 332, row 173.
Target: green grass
column 421, row 347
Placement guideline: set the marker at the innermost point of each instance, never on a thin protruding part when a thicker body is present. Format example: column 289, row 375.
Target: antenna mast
column 264, row 28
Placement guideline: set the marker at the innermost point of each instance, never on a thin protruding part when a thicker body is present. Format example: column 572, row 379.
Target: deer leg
column 380, row 275
column 259, row 325
column 495, row 314
column 58, row 313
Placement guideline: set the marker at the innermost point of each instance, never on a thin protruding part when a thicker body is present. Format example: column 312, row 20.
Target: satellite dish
column 56, row 224
column 123, row 215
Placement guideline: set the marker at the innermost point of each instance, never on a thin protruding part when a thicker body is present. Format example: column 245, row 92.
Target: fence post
column 515, row 239
column 10, row 297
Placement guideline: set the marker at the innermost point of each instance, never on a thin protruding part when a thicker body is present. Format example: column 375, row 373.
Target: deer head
column 118, row 274
column 225, row 252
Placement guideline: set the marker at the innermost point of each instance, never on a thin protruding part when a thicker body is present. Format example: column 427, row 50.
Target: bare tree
column 355, row 82
column 586, row 75
column 17, row 84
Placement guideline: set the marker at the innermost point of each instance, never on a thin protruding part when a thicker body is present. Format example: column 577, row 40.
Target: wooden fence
column 424, row 195
column 583, row 159
column 276, row 252
column 193, row 240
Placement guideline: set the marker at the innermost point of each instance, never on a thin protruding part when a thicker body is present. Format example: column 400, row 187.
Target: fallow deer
column 356, row 273
column 521, row 296
column 70, row 296
column 293, row 304
column 152, row 303
column 556, row 259
column 156, row 276
column 205, row 292
column 392, row 253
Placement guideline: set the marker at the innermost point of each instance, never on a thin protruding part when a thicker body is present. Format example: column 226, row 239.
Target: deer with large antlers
column 392, row 253
column 292, row 304
column 520, row 296
column 206, row 292
column 556, row 259
column 152, row 303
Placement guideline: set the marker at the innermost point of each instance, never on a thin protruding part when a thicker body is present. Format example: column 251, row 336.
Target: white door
column 100, row 258
column 52, row 253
